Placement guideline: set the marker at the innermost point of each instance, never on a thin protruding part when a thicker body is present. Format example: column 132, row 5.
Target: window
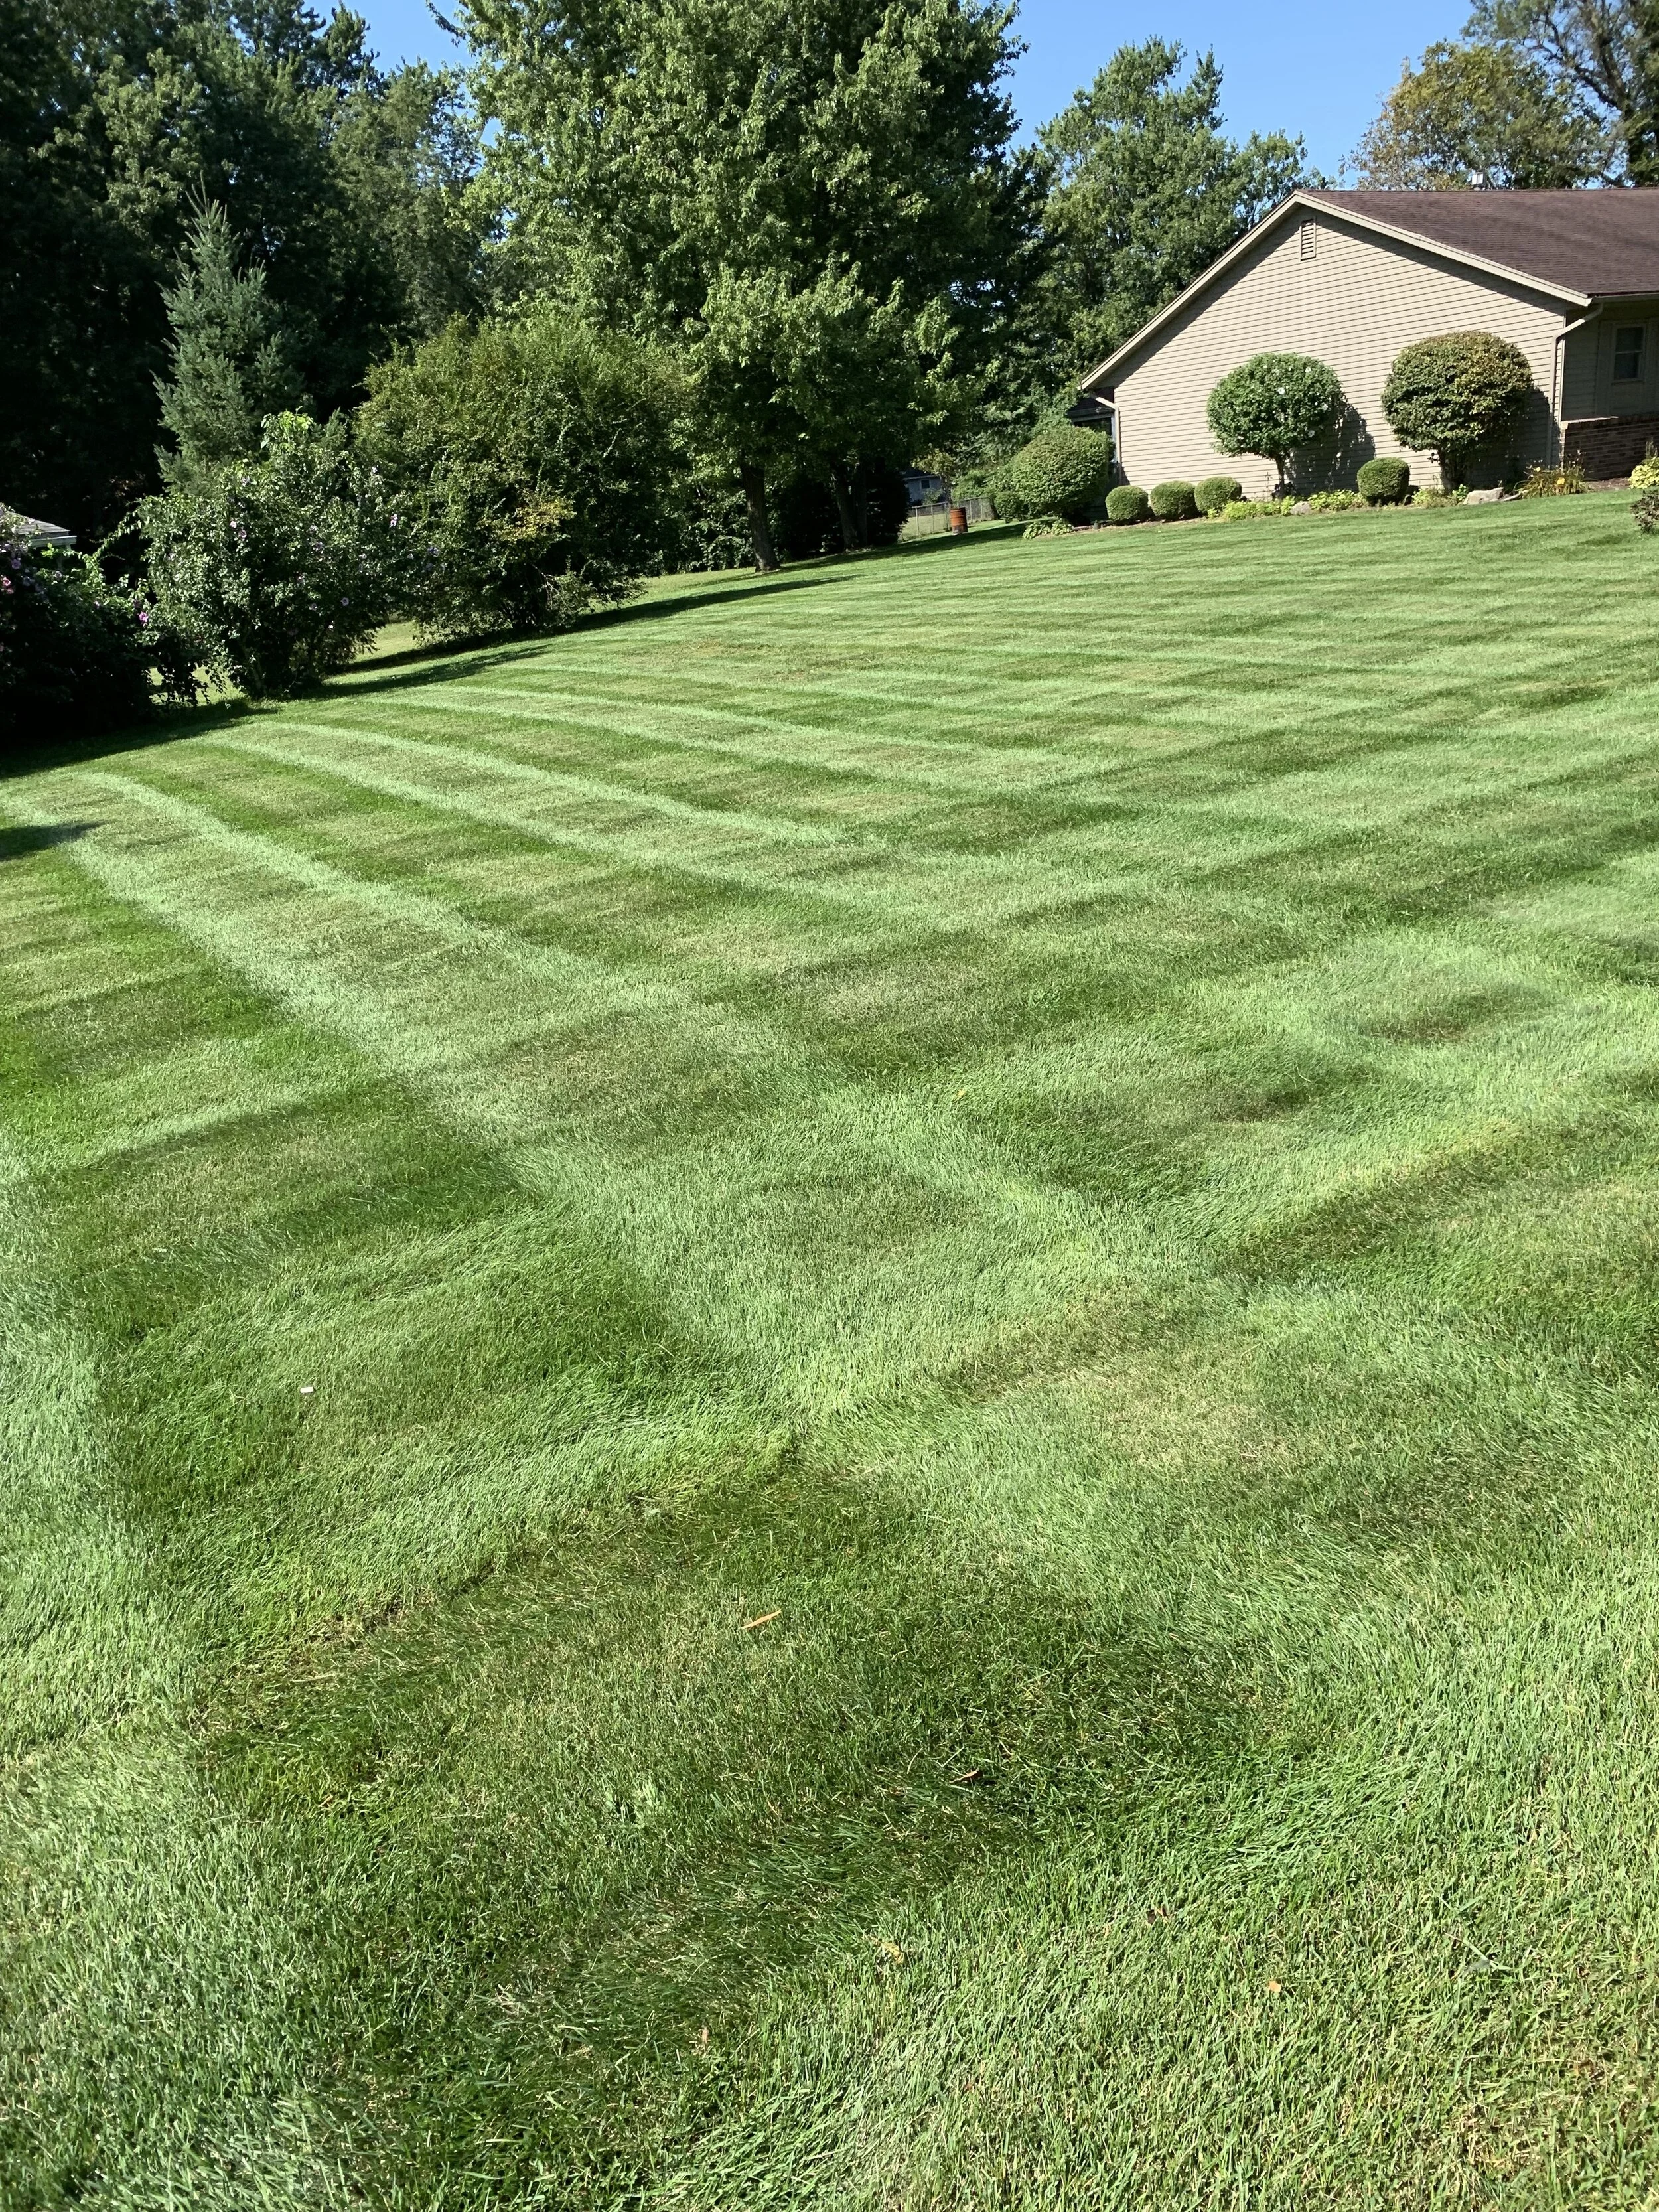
column 1627, row 353
column 1310, row 244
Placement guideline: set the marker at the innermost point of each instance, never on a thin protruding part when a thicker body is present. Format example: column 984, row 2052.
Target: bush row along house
column 1573, row 277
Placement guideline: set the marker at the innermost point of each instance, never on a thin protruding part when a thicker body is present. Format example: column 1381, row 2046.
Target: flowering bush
column 285, row 565
column 1274, row 404
column 78, row 655
column 1544, row 483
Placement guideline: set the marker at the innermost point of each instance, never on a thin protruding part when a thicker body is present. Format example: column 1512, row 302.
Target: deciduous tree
column 1476, row 112
column 1602, row 54
column 532, row 458
column 1450, row 396
column 1147, row 190
column 347, row 188
column 815, row 201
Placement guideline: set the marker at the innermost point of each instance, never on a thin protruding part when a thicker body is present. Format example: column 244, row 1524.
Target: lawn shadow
column 45, row 754
column 18, row 842
column 797, row 1733
column 443, row 664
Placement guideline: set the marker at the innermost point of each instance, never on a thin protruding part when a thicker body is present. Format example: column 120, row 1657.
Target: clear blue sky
column 1315, row 66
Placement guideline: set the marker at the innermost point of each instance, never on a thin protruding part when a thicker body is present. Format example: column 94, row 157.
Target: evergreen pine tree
column 228, row 368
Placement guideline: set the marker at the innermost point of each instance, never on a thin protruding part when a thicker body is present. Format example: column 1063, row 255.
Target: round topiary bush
column 1174, row 503
column 1062, row 471
column 1274, row 404
column 1385, row 481
column 1450, row 396
column 1128, row 503
column 1214, row 493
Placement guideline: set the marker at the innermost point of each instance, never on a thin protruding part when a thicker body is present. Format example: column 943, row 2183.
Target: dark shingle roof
column 1597, row 243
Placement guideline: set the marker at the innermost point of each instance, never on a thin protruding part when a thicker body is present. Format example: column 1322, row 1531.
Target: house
column 28, row 531
column 1351, row 277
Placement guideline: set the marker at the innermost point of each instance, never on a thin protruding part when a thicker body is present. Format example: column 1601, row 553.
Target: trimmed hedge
column 1450, row 396
column 1174, row 503
column 1385, row 481
column 1061, row 471
column 1274, row 404
column 1214, row 492
column 1128, row 503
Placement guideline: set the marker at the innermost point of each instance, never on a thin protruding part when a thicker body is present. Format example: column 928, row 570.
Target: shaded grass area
column 846, row 1397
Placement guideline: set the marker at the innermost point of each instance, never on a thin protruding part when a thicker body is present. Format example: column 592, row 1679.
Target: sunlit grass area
column 846, row 1397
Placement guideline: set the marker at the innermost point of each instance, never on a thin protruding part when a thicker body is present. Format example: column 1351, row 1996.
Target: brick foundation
column 1606, row 446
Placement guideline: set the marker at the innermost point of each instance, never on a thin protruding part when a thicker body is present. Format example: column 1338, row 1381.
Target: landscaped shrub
column 1646, row 510
column 538, row 457
column 1437, row 496
column 76, row 654
column 1385, row 481
column 1213, row 493
column 1274, row 404
column 1450, row 396
column 283, row 565
column 1542, row 482
column 1644, row 477
column 1063, row 470
column 1256, row 510
column 1128, row 503
column 1335, row 502
column 1174, row 503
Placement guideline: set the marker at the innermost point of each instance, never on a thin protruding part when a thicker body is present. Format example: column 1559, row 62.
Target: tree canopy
column 347, row 189
column 1147, row 190
column 1472, row 111
column 1450, row 396
column 226, row 369
column 1603, row 57
column 815, row 201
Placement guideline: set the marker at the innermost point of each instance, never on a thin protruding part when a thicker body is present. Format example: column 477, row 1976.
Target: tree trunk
column 846, row 508
column 753, row 480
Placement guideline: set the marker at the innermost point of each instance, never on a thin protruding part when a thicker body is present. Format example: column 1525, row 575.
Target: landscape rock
column 1485, row 498
column 1302, row 507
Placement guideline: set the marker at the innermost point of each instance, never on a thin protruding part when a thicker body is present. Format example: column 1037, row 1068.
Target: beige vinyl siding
column 1589, row 386
column 1353, row 304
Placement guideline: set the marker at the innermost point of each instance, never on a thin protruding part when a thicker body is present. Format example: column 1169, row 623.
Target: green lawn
column 846, row 1397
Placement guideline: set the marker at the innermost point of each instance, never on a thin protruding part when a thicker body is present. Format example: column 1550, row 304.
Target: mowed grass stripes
column 846, row 1397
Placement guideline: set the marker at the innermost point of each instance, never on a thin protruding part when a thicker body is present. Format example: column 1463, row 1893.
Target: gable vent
column 1309, row 240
